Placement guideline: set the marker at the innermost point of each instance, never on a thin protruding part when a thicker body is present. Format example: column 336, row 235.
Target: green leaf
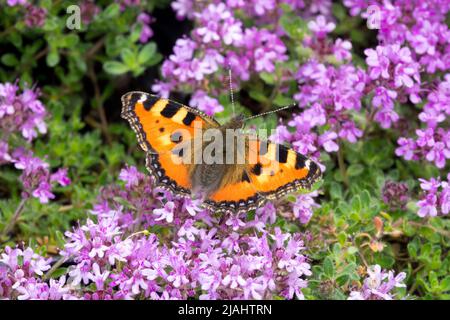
column 155, row 59
column 420, row 281
column 343, row 279
column 337, row 249
column 294, row 26
column 58, row 273
column 268, row 78
column 51, row 24
column 384, row 260
column 355, row 170
column 71, row 40
column 128, row 57
column 10, row 60
column 115, row 67
column 136, row 33
column 146, row 53
column 356, row 204
column 357, row 36
column 365, row 199
column 445, row 284
column 328, row 267
column 53, row 58
column 412, row 249
column 281, row 100
column 339, row 11
column 257, row 95
column 111, row 11
column 433, row 279
column 60, row 239
column 335, row 190
column 16, row 39
column 342, row 237
column 81, row 64
column 352, row 250
column 138, row 71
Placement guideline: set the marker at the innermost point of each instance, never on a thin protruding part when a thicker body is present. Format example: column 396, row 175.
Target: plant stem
column 138, row 224
column 15, row 217
column 101, row 109
column 95, row 48
column 5, row 32
column 53, row 268
column 27, row 64
column 342, row 166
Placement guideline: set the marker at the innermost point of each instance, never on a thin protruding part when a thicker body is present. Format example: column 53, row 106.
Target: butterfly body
column 208, row 176
column 191, row 154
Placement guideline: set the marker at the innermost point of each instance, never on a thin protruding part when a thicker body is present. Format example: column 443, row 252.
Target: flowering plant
column 81, row 219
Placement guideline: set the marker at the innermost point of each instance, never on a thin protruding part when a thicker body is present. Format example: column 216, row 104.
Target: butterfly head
column 236, row 122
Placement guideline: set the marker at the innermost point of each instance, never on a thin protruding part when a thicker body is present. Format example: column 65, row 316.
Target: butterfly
column 166, row 132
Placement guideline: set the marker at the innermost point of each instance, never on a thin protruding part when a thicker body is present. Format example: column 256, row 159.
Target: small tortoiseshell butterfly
column 268, row 171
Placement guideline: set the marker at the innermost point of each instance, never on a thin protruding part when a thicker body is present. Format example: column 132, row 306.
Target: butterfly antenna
column 231, row 90
column 269, row 112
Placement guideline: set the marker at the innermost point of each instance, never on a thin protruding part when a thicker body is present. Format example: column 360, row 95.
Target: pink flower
column 61, row 177
column 327, row 141
column 321, row 27
column 98, row 277
column 234, row 278
column 350, row 132
column 13, row 3
column 130, row 175
column 165, row 213
column 378, row 285
column 303, row 207
column 205, row 103
column 262, row 7
column 42, row 192
column 438, row 154
column 146, row 32
column 427, row 206
column 407, row 148
column 183, row 8
column 378, row 62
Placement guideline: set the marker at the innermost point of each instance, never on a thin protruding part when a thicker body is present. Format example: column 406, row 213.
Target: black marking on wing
column 189, row 118
column 245, row 177
column 281, row 154
column 314, row 171
column 170, row 109
column 256, row 169
column 299, row 161
column 150, row 102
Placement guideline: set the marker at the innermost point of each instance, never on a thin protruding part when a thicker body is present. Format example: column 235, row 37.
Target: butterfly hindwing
column 276, row 170
column 236, row 192
column 271, row 171
column 160, row 125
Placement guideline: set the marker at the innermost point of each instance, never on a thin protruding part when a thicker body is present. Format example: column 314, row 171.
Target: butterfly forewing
column 160, row 126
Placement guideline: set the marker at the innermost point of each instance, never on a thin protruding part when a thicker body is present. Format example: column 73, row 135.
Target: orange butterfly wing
column 272, row 170
column 160, row 124
column 279, row 170
column 238, row 195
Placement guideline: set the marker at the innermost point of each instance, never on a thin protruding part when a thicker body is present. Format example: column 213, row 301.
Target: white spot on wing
column 142, row 98
column 307, row 163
